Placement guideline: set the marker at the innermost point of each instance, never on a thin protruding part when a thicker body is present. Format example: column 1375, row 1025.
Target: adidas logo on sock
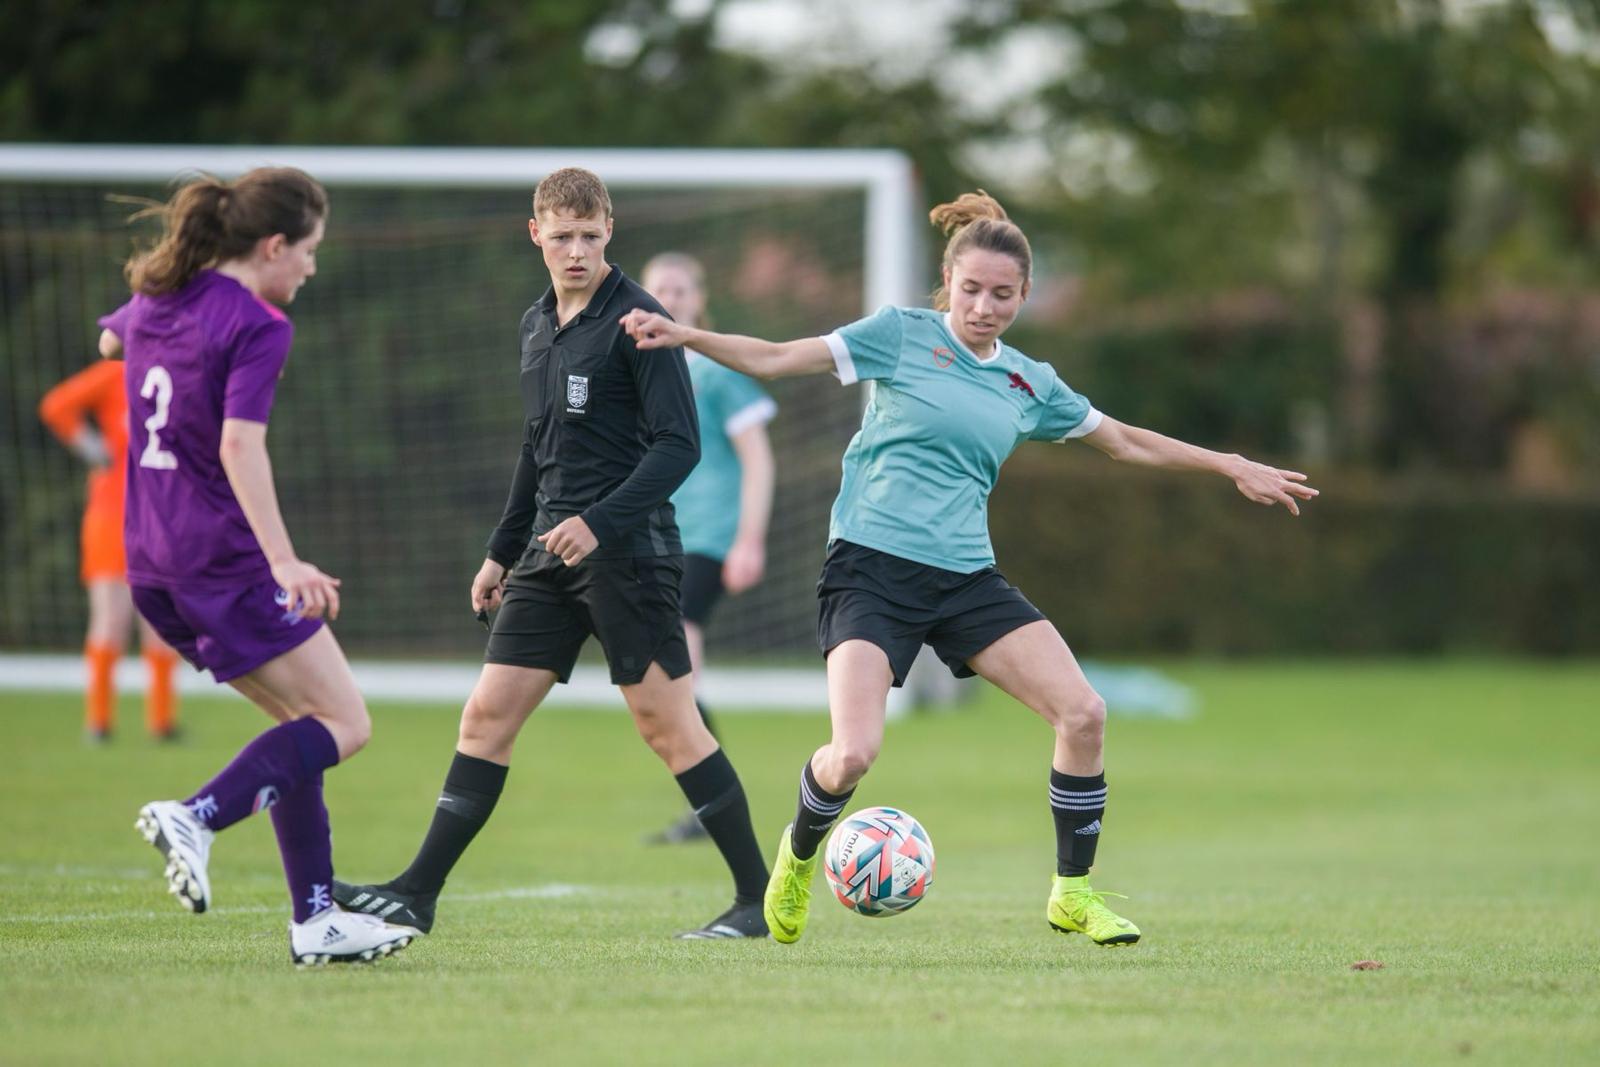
column 203, row 808
column 332, row 936
column 1090, row 830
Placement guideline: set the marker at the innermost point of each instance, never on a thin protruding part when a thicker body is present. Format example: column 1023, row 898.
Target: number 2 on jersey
column 157, row 383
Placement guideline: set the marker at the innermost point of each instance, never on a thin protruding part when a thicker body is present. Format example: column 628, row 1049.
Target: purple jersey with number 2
column 209, row 351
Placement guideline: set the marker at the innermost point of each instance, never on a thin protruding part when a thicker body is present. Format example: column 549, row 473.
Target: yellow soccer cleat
column 1076, row 909
column 787, row 903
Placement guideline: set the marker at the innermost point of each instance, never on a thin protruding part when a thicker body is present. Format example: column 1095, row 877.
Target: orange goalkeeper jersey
column 96, row 391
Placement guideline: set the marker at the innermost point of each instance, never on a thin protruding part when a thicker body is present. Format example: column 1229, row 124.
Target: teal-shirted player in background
column 723, row 507
column 909, row 559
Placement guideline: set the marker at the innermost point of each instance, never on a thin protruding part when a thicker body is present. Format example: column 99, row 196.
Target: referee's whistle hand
column 487, row 585
column 571, row 539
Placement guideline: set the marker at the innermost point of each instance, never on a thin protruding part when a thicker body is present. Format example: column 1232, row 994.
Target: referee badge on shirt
column 577, row 394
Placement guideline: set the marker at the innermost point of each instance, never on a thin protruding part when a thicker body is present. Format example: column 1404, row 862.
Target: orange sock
column 100, row 700
column 160, row 700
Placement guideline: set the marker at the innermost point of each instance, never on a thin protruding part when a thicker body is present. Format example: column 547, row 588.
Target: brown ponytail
column 976, row 220
column 210, row 221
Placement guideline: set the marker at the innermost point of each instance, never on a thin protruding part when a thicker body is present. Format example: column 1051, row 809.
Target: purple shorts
column 228, row 632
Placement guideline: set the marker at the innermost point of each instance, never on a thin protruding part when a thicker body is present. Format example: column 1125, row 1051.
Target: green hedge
column 1134, row 561
column 1201, row 379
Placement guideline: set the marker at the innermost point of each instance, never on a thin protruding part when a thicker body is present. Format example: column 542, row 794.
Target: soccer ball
column 880, row 862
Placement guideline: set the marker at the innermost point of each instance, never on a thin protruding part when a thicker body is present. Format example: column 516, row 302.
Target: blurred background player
column 723, row 507
column 909, row 557
column 209, row 558
column 88, row 412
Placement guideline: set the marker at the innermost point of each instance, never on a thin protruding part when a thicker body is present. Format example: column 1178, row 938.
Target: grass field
column 1441, row 818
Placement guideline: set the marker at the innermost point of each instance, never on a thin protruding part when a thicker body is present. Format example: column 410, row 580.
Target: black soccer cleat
column 741, row 920
column 688, row 828
column 394, row 907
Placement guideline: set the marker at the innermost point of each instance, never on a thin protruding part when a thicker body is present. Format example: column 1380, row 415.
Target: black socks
column 713, row 790
column 815, row 816
column 471, row 789
column 1078, row 805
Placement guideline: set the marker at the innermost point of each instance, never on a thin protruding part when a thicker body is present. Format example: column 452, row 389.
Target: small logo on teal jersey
column 1019, row 382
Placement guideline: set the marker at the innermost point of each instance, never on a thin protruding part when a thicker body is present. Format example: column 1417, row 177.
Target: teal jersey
column 939, row 424
column 707, row 503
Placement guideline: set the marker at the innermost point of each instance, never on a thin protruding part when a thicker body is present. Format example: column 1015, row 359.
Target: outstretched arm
column 747, row 355
column 1257, row 481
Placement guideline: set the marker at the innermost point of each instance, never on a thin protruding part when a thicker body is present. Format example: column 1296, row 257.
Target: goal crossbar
column 884, row 175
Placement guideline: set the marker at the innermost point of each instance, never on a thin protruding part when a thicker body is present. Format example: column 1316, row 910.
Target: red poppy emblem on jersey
column 1019, row 382
column 943, row 357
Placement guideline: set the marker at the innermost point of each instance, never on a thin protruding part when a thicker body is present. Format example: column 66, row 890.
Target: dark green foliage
column 1172, row 563
column 1204, row 380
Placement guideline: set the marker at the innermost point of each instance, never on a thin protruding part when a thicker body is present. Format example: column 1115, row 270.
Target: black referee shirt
column 608, row 433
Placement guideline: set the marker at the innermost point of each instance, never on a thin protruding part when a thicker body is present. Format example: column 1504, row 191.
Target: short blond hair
column 573, row 190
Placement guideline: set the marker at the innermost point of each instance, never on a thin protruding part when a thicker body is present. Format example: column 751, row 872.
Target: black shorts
column 631, row 604
column 900, row 605
column 702, row 587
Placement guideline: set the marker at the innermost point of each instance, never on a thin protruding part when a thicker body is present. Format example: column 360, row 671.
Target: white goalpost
column 398, row 404
column 889, row 241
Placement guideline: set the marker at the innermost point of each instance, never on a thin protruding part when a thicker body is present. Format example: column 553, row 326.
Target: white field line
column 745, row 689
column 1131, row 691
column 552, row 891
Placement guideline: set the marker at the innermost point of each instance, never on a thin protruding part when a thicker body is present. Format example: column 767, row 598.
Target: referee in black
column 587, row 545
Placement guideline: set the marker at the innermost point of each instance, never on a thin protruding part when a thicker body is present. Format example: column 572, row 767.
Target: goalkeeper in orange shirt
column 88, row 412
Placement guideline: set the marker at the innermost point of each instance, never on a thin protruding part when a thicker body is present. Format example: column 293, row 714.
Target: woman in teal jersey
column 724, row 505
column 909, row 560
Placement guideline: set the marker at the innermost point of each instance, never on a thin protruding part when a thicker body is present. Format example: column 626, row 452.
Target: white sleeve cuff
column 1090, row 423
column 844, row 368
column 756, row 413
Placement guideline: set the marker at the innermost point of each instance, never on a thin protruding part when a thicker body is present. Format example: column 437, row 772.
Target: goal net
column 397, row 422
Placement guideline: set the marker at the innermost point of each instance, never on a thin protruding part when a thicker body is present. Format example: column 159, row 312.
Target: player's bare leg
column 859, row 679
column 322, row 719
column 314, row 681
column 687, row 827
column 1033, row 664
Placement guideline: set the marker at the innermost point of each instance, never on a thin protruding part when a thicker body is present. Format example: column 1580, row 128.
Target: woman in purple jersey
column 209, row 559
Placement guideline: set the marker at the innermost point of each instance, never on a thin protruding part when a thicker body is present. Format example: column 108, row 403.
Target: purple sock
column 266, row 770
column 301, row 820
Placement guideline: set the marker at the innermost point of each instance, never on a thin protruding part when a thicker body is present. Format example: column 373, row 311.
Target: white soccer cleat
column 333, row 935
column 186, row 843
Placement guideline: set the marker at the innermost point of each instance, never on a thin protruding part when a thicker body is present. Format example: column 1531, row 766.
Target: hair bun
column 966, row 209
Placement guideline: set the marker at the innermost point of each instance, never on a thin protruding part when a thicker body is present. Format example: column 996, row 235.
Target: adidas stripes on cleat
column 335, row 936
column 741, row 920
column 411, row 910
column 1074, row 908
column 186, row 843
